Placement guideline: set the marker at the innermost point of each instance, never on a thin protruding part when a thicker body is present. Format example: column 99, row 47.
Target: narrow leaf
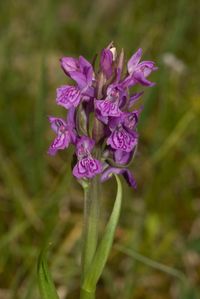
column 101, row 255
column 46, row 285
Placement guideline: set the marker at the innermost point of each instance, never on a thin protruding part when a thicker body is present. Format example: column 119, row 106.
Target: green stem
column 87, row 295
column 90, row 226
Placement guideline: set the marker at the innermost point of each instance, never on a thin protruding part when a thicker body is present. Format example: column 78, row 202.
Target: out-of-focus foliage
column 40, row 201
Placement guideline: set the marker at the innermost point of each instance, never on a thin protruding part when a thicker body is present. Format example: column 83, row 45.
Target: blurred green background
column 39, row 199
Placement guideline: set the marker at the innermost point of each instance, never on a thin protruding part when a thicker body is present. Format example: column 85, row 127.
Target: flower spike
column 102, row 120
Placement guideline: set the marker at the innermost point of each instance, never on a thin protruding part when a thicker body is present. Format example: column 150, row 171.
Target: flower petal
column 107, row 174
column 146, row 67
column 134, row 60
column 60, row 142
column 106, row 61
column 80, row 78
column 140, row 78
column 57, row 123
column 108, row 107
column 122, row 157
column 69, row 64
column 87, row 168
column 68, row 96
column 84, row 146
column 122, row 139
column 130, row 119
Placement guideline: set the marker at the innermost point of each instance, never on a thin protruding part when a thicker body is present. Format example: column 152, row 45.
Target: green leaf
column 46, row 285
column 96, row 268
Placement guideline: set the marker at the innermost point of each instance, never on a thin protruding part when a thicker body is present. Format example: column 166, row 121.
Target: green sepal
column 97, row 265
column 45, row 281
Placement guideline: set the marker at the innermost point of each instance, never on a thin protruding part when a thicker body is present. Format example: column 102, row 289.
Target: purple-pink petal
column 146, row 67
column 69, row 64
column 122, row 157
column 107, row 174
column 122, row 139
column 68, row 96
column 84, row 146
column 134, row 60
column 60, row 142
column 57, row 124
column 106, row 61
column 130, row 119
column 79, row 69
column 140, row 78
column 87, row 168
column 80, row 78
column 108, row 107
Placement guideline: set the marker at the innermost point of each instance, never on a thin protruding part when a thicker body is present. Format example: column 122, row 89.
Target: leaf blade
column 45, row 281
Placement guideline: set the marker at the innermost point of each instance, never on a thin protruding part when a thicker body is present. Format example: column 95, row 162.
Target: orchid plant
column 101, row 124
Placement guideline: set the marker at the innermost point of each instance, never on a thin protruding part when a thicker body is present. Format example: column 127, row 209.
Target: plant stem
column 87, row 295
column 90, row 226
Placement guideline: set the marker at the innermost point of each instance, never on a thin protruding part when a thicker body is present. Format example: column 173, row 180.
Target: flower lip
column 87, row 168
column 68, row 96
column 122, row 139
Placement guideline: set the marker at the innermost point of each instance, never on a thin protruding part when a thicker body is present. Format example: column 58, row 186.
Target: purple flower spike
column 107, row 174
column 101, row 115
column 122, row 139
column 87, row 168
column 106, row 61
column 63, row 138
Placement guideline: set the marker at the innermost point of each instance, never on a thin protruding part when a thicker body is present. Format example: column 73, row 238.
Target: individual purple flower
column 84, row 146
column 63, row 139
column 87, row 166
column 110, row 106
column 139, row 71
column 107, row 174
column 130, row 119
column 106, row 61
column 123, row 136
column 81, row 71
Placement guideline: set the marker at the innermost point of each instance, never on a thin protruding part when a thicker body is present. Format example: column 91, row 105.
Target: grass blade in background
column 40, row 126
